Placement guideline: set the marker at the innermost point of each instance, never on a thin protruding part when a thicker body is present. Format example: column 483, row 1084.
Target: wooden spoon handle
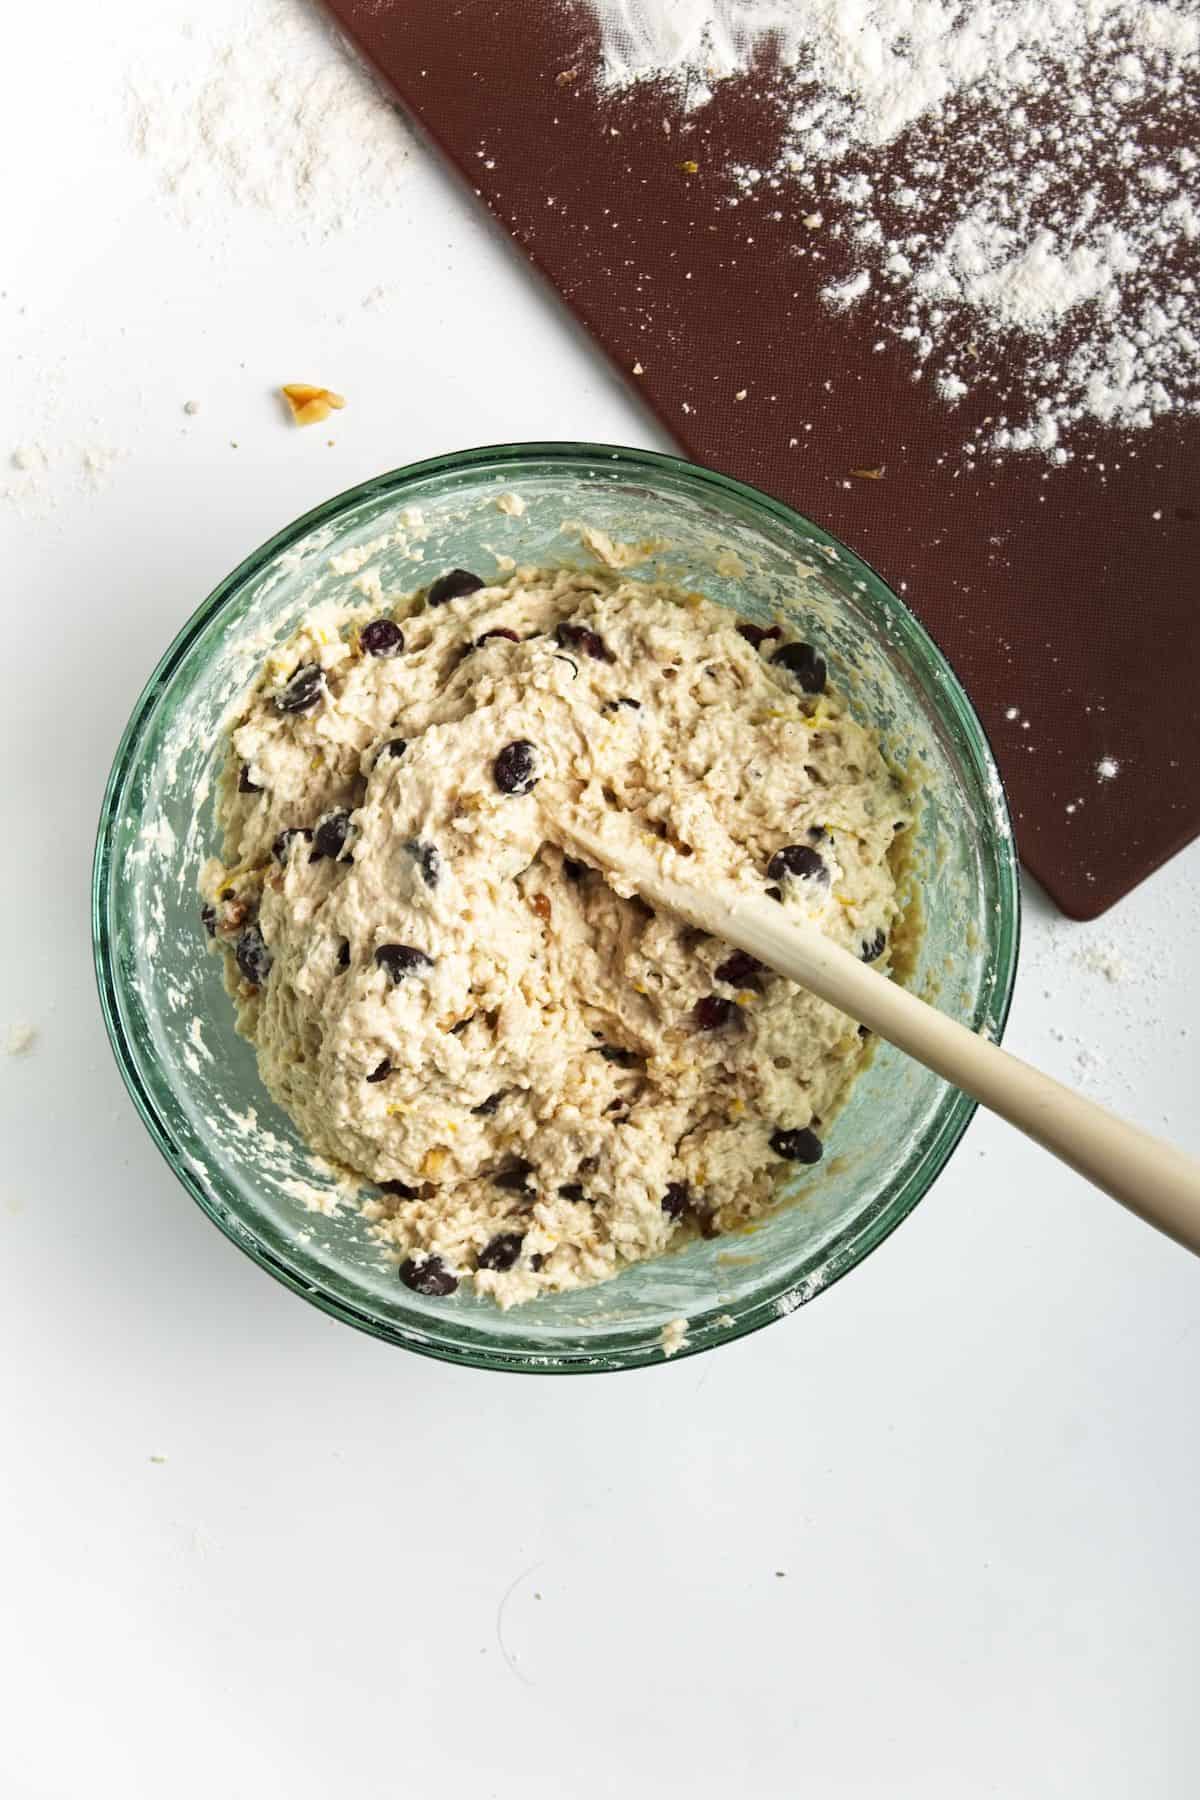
column 1154, row 1179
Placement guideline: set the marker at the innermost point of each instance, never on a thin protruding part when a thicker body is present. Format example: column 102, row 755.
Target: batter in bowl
column 543, row 1080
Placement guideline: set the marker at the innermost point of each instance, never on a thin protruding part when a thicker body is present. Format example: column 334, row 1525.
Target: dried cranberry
column 402, row 960
column 487, row 1107
column 452, row 586
column 428, row 859
column 874, row 947
column 712, row 1012
column 302, row 692
column 281, row 848
column 429, row 1275
column 583, row 639
column 758, row 635
column 497, row 631
column 382, row 637
column 208, row 918
column 740, row 970
column 513, row 1178
column 399, row 1190
column 253, row 957
column 245, row 785
column 677, row 1199
column 502, row 1252
column 381, row 1071
column 798, row 1145
column 802, row 661
column 515, row 767
column 330, row 838
column 799, row 862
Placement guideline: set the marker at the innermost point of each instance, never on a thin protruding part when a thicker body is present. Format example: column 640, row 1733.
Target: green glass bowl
column 195, row 1082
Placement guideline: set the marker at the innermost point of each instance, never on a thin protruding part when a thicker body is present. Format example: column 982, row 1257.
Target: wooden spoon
column 1155, row 1180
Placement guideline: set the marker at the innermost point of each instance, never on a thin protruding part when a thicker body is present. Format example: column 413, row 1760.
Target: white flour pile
column 271, row 111
column 998, row 179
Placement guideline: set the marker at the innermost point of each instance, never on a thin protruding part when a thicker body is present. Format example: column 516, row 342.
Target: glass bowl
column 195, row 1082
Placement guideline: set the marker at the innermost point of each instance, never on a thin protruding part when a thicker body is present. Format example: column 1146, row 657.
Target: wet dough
column 553, row 1081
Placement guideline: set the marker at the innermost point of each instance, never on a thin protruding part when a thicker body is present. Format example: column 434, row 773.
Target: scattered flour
column 1010, row 185
column 1107, row 769
column 274, row 113
column 21, row 1038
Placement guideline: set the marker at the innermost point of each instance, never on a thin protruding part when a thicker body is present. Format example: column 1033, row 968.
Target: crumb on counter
column 308, row 404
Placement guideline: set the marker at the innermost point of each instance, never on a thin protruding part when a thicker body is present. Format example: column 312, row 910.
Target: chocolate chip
column 399, row 1190
column 245, row 785
column 330, row 837
column 515, row 767
column 802, row 661
column 497, row 631
column 758, row 635
column 740, row 970
column 798, row 1145
column 253, row 957
column 452, row 586
column 302, row 692
column 572, row 1190
column 394, row 747
column 677, row 1199
column 428, row 860
column 514, row 1177
column 583, row 639
column 712, row 1012
column 382, row 637
column 402, row 960
column 798, row 862
column 487, row 1107
column 429, row 1276
column 874, row 947
column 381, row 1071
column 281, row 848
column 208, row 918
column 502, row 1252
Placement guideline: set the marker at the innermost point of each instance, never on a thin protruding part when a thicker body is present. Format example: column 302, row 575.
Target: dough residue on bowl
column 541, row 1081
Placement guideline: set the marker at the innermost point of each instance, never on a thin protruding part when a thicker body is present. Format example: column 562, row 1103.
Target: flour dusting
column 1008, row 185
column 272, row 114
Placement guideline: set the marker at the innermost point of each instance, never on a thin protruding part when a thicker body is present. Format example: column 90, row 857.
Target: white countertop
column 932, row 1536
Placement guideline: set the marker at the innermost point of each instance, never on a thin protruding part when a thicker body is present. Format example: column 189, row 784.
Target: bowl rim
column 859, row 1239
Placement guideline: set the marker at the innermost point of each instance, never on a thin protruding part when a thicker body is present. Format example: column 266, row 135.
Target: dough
column 549, row 1081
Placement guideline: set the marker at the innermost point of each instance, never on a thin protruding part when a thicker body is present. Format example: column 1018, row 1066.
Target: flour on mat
column 1037, row 207
column 275, row 114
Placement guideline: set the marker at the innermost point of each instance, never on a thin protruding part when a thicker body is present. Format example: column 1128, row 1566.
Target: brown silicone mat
column 1069, row 594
